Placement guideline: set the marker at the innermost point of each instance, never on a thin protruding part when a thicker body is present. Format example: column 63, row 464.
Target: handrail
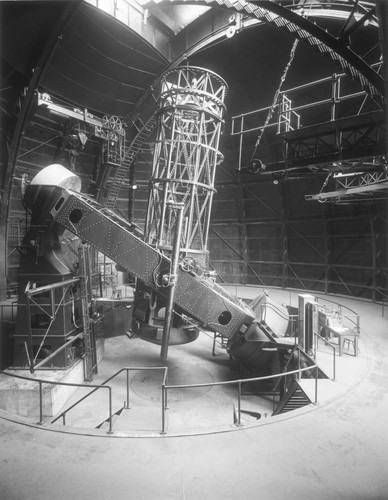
column 127, row 370
column 12, row 306
column 355, row 322
column 292, row 318
column 328, row 79
column 330, row 345
column 274, row 309
column 164, row 388
column 260, row 286
column 336, row 303
column 289, row 112
column 71, row 384
column 239, row 382
column 295, row 348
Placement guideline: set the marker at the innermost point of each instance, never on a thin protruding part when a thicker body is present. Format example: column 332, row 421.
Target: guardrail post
column 30, row 351
column 298, row 376
column 239, row 404
column 273, row 399
column 40, row 403
column 165, row 397
column 127, row 403
column 163, row 409
column 110, row 431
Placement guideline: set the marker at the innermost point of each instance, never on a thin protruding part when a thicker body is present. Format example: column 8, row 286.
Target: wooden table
column 342, row 332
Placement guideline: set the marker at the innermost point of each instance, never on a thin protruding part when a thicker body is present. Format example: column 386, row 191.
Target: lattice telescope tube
column 189, row 122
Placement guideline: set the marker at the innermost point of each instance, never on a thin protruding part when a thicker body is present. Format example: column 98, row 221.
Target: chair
column 350, row 342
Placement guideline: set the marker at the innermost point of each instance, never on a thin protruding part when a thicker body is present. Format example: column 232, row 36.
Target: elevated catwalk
column 335, row 450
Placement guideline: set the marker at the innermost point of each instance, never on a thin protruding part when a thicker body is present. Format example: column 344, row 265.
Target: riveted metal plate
column 201, row 299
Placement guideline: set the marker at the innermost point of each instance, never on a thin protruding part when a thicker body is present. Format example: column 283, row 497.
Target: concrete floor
column 337, row 450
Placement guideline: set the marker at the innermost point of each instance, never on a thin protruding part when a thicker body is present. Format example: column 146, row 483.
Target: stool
column 223, row 342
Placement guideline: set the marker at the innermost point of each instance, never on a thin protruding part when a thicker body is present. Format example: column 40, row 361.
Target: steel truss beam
column 343, row 139
column 351, row 184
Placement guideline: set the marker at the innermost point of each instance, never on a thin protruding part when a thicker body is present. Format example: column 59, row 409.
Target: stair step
column 139, row 418
column 130, row 155
column 104, row 426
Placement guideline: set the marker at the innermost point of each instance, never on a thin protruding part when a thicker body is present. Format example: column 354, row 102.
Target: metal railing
column 127, row 370
column 350, row 319
column 298, row 350
column 289, row 113
column 292, row 319
column 41, row 382
column 294, row 349
column 164, row 391
column 239, row 383
column 296, row 109
column 13, row 310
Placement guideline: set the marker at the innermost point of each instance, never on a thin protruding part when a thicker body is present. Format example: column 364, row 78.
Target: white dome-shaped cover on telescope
column 57, row 175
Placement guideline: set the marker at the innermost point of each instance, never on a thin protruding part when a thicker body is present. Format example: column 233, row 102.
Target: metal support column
column 85, row 301
column 172, row 278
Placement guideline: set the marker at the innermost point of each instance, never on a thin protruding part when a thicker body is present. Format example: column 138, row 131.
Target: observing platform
column 310, row 445
column 136, row 401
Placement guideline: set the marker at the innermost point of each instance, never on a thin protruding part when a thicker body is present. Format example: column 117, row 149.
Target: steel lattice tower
column 190, row 119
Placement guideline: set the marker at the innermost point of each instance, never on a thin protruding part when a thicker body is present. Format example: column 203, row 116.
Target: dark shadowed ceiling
column 97, row 63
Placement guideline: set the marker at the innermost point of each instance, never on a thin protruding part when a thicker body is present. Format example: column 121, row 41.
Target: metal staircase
column 294, row 398
column 144, row 130
column 268, row 331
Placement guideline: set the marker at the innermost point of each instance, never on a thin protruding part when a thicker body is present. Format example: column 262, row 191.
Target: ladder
column 122, row 170
column 86, row 294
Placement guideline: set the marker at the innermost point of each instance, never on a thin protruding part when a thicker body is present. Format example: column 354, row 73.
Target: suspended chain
column 85, row 291
column 328, row 45
column 276, row 97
